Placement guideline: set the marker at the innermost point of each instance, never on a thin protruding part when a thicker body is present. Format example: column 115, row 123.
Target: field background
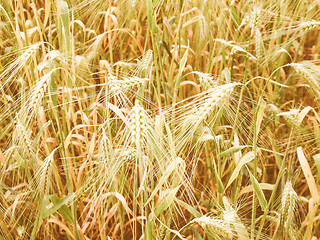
column 134, row 119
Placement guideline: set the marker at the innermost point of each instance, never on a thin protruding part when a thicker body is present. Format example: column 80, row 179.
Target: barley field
column 157, row 119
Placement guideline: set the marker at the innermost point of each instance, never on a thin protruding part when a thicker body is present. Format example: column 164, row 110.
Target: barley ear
column 287, row 209
column 45, row 174
column 214, row 227
column 138, row 125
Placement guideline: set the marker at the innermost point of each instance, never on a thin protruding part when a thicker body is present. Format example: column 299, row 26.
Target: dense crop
column 133, row 119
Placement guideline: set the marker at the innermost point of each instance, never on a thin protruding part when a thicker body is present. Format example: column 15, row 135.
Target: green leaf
column 64, row 11
column 155, row 3
column 172, row 166
column 248, row 157
column 63, row 210
column 190, row 209
column 232, row 150
column 39, row 218
column 197, row 234
column 149, row 13
column 168, row 91
column 316, row 159
column 166, row 202
column 37, row 138
column 155, row 28
column 260, row 113
column 152, row 21
column 303, row 113
column 57, row 204
column 234, row 14
column 181, row 68
column 263, row 186
column 258, row 191
column 217, row 178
